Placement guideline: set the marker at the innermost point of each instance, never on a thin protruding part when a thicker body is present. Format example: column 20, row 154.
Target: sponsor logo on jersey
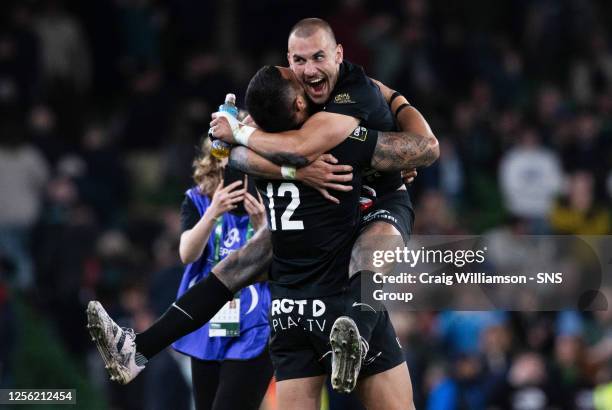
column 378, row 215
column 304, row 313
column 360, row 133
column 313, row 307
column 343, row 98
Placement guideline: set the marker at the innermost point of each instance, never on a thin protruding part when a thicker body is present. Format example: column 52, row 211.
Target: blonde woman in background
column 218, row 216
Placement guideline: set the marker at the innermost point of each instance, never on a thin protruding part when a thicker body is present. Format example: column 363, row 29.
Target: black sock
column 360, row 303
column 190, row 312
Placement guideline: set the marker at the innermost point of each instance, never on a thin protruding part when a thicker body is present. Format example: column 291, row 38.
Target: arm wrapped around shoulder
column 415, row 146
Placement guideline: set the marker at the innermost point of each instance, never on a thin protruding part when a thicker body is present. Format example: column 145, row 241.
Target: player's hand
column 220, row 128
column 248, row 120
column 386, row 91
column 408, row 175
column 324, row 173
column 255, row 208
column 225, row 198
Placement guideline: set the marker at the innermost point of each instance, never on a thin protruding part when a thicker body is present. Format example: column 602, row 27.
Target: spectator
column 527, row 386
column 461, row 331
column 463, row 389
column 530, row 178
column 571, row 367
column 65, row 55
column 578, row 213
column 66, row 66
column 218, row 216
column 23, row 176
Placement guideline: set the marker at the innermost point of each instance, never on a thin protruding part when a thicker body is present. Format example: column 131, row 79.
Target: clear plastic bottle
column 221, row 149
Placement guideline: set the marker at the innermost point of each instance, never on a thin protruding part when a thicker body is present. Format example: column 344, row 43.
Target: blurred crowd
column 103, row 102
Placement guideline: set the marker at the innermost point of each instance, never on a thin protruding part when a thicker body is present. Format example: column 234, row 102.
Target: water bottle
column 221, row 149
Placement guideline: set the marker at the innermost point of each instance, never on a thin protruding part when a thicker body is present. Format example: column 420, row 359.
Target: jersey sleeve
column 189, row 214
column 358, row 148
column 356, row 97
column 369, row 145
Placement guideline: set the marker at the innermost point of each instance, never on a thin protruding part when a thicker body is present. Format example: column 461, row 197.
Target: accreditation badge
column 226, row 323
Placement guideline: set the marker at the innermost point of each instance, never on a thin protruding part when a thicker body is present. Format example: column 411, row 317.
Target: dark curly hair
column 269, row 100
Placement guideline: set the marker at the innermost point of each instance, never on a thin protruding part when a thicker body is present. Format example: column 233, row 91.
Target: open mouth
column 316, row 86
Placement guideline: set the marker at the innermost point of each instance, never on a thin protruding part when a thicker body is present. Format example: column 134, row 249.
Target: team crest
column 360, row 133
column 343, row 98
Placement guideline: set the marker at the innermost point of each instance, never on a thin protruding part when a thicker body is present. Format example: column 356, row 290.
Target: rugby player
column 125, row 354
column 311, row 248
column 344, row 97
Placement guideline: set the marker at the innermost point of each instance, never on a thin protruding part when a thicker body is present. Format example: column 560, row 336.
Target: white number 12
column 286, row 223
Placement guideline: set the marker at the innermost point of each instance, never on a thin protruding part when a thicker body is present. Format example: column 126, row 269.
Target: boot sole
column 95, row 326
column 346, row 354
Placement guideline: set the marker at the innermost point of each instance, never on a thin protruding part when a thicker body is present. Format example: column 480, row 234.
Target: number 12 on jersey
column 286, row 223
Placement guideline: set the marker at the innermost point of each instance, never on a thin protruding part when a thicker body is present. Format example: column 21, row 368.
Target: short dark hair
column 269, row 100
column 308, row 26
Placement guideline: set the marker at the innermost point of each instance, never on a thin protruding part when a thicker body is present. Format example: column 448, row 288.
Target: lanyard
column 226, row 322
column 218, row 231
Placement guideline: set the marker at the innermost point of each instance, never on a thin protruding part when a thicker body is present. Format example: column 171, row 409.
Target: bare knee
column 376, row 236
column 380, row 228
column 300, row 394
column 389, row 390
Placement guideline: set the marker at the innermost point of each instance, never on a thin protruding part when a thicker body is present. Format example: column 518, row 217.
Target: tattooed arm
column 323, row 174
column 248, row 264
column 414, row 146
column 250, row 162
column 320, row 133
column 404, row 150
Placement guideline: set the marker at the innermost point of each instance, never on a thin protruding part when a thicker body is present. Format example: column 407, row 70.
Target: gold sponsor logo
column 343, row 98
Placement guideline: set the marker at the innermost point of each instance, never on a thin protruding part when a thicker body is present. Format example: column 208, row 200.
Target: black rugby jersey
column 356, row 95
column 312, row 237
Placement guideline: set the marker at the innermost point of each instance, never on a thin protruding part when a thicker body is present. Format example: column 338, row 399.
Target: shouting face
column 315, row 59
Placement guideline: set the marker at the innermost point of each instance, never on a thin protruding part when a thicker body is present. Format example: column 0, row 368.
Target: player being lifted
column 312, row 241
column 198, row 305
column 393, row 151
column 344, row 97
